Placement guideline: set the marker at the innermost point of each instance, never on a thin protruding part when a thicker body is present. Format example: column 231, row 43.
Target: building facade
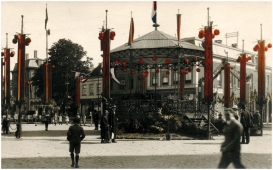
column 164, row 84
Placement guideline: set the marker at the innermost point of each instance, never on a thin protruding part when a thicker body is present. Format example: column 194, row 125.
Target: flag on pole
column 131, row 32
column 178, row 26
column 84, row 80
column 154, row 12
column 46, row 18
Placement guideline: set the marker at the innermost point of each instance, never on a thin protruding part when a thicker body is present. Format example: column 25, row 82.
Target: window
column 188, row 78
column 98, row 88
column 165, row 78
column 91, row 89
column 219, row 78
column 154, row 78
column 84, row 90
column 175, row 78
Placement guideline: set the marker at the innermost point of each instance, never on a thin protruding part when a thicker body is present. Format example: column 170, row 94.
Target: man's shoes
column 72, row 165
column 102, row 141
column 114, row 141
column 76, row 166
column 242, row 143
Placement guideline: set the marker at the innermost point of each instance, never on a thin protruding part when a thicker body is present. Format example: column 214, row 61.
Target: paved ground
column 49, row 149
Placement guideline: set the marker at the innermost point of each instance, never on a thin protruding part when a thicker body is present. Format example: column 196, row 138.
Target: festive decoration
column 154, row 58
column 269, row 45
column 112, row 35
column 12, row 53
column 157, row 71
column 141, row 61
column 167, row 61
column 116, row 71
column 133, row 72
column 125, row 70
column 216, row 32
column 167, row 72
column 198, row 69
column 2, row 53
column 124, row 63
column 186, row 60
column 101, row 35
column 195, row 59
column 116, row 62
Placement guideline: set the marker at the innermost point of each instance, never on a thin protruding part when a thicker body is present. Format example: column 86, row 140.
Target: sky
column 81, row 22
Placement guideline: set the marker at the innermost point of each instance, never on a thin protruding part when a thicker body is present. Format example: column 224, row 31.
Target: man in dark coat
column 230, row 148
column 113, row 123
column 47, row 117
column 75, row 135
column 105, row 128
column 246, row 120
column 96, row 119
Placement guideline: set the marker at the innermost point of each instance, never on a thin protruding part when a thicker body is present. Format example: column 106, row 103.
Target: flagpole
column 46, row 38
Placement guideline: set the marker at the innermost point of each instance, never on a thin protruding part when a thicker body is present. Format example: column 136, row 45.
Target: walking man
column 105, row 128
column 47, row 117
column 75, row 135
column 96, row 119
column 113, row 122
column 231, row 148
column 246, row 120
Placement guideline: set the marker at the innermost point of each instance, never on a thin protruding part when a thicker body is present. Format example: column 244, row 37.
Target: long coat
column 246, row 119
column 232, row 133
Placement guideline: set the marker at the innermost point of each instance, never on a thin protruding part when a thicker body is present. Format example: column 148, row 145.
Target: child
column 66, row 119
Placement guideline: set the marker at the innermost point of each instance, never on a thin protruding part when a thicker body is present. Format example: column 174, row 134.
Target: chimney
column 35, row 53
column 26, row 57
column 218, row 41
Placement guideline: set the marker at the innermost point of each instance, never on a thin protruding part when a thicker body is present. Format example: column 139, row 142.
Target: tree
column 66, row 57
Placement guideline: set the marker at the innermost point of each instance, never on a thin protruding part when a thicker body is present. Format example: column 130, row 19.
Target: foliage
column 66, row 57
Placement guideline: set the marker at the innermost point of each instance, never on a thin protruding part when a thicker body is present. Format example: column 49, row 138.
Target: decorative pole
column 7, row 55
column 261, row 48
column 243, row 59
column 22, row 42
column 208, row 66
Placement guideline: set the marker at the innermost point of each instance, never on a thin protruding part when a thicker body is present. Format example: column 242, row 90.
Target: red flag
column 178, row 26
column 131, row 32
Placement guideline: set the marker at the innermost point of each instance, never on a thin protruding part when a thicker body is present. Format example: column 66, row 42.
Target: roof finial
column 261, row 31
column 154, row 15
column 243, row 46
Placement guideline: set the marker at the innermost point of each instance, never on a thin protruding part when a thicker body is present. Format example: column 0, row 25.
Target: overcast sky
column 81, row 22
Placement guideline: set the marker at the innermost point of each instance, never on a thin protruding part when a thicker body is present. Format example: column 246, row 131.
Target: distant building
column 31, row 65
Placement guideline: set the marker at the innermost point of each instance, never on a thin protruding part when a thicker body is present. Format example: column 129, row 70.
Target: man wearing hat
column 105, row 128
column 246, row 120
column 231, row 148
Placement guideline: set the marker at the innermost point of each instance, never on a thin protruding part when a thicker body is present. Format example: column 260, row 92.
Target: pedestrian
column 231, row 148
column 35, row 116
column 257, row 119
column 96, row 119
column 75, row 135
column 55, row 118
column 5, row 125
column 60, row 119
column 47, row 117
column 104, row 125
column 66, row 119
column 84, row 119
column 113, row 121
column 15, row 117
column 246, row 120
